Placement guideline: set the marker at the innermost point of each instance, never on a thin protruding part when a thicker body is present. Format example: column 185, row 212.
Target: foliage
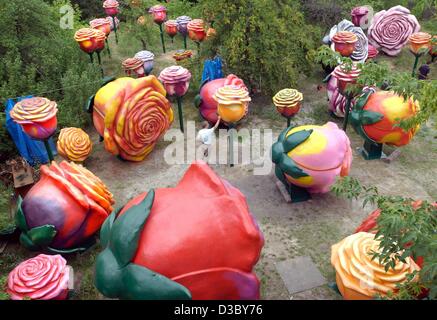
column 405, row 228
column 3, row 283
column 381, row 76
column 263, row 42
column 47, row 68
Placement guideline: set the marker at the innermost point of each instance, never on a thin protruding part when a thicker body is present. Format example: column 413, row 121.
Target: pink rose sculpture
column 390, row 29
column 111, row 21
column 373, row 52
column 43, row 277
column 111, row 7
column 360, row 17
column 176, row 80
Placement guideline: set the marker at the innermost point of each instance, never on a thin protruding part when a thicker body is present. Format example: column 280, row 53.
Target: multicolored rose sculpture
column 390, row 29
column 360, row 17
column 182, row 22
column 375, row 117
column 131, row 115
column 205, row 101
column 176, row 80
column 346, row 76
column 74, row 144
column 37, row 117
column 63, row 210
column 344, row 42
column 182, row 55
column 361, row 46
column 85, row 37
column 337, row 101
column 196, row 31
column 288, row 103
column 232, row 103
column 112, row 9
column 159, row 13
column 101, row 24
column 171, row 28
column 311, row 157
column 148, row 59
column 373, row 52
column 420, row 44
column 43, row 277
column 134, row 65
column 358, row 276
column 195, row 241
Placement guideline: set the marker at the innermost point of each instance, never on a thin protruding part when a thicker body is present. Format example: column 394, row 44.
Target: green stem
column 181, row 116
column 49, row 150
column 346, row 112
column 107, row 47
column 185, row 42
column 288, row 122
column 91, row 57
column 162, row 38
column 198, row 48
column 100, row 63
column 413, row 74
column 115, row 29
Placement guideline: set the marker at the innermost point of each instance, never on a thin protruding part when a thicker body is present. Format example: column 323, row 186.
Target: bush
column 263, row 42
column 40, row 58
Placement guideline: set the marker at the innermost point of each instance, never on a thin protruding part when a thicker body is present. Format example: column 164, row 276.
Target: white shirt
column 206, row 135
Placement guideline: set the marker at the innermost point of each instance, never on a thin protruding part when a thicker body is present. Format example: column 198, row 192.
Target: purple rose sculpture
column 361, row 16
column 390, row 29
column 182, row 22
column 361, row 46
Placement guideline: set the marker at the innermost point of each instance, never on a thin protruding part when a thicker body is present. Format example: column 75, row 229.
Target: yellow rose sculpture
column 233, row 102
column 131, row 115
column 288, row 102
column 74, row 144
column 361, row 278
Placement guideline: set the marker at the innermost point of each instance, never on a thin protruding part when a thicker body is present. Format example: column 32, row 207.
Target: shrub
column 40, row 58
column 263, row 42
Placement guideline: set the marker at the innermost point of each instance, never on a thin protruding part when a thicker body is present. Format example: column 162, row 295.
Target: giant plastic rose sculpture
column 37, row 117
column 205, row 101
column 131, row 115
column 360, row 16
column 74, row 144
column 390, row 29
column 232, row 103
column 312, row 157
column 197, row 240
column 361, row 46
column 196, row 30
column 43, row 277
column 134, row 65
column 176, row 80
column 337, row 101
column 63, row 210
column 358, row 276
column 148, row 60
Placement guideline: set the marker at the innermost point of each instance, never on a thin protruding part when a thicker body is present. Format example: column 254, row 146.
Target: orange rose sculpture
column 196, row 30
column 344, row 42
column 63, row 210
column 85, row 37
column 288, row 102
column 101, row 24
column 171, row 28
column 74, row 144
column 420, row 41
column 37, row 117
column 361, row 278
column 233, row 102
column 134, row 65
column 197, row 240
column 375, row 115
column 131, row 115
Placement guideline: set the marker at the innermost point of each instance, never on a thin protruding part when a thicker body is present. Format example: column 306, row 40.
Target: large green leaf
column 126, row 230
column 289, row 167
column 43, row 235
column 105, row 230
column 295, row 139
column 146, row 284
column 370, row 117
column 20, row 219
column 27, row 242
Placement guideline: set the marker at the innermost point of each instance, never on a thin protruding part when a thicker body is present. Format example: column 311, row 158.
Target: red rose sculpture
column 197, row 240
column 111, row 7
column 63, row 210
column 205, row 101
column 390, row 29
column 373, row 52
column 196, row 30
column 43, row 277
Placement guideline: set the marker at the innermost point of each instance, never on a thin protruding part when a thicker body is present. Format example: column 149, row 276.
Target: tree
column 264, row 42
